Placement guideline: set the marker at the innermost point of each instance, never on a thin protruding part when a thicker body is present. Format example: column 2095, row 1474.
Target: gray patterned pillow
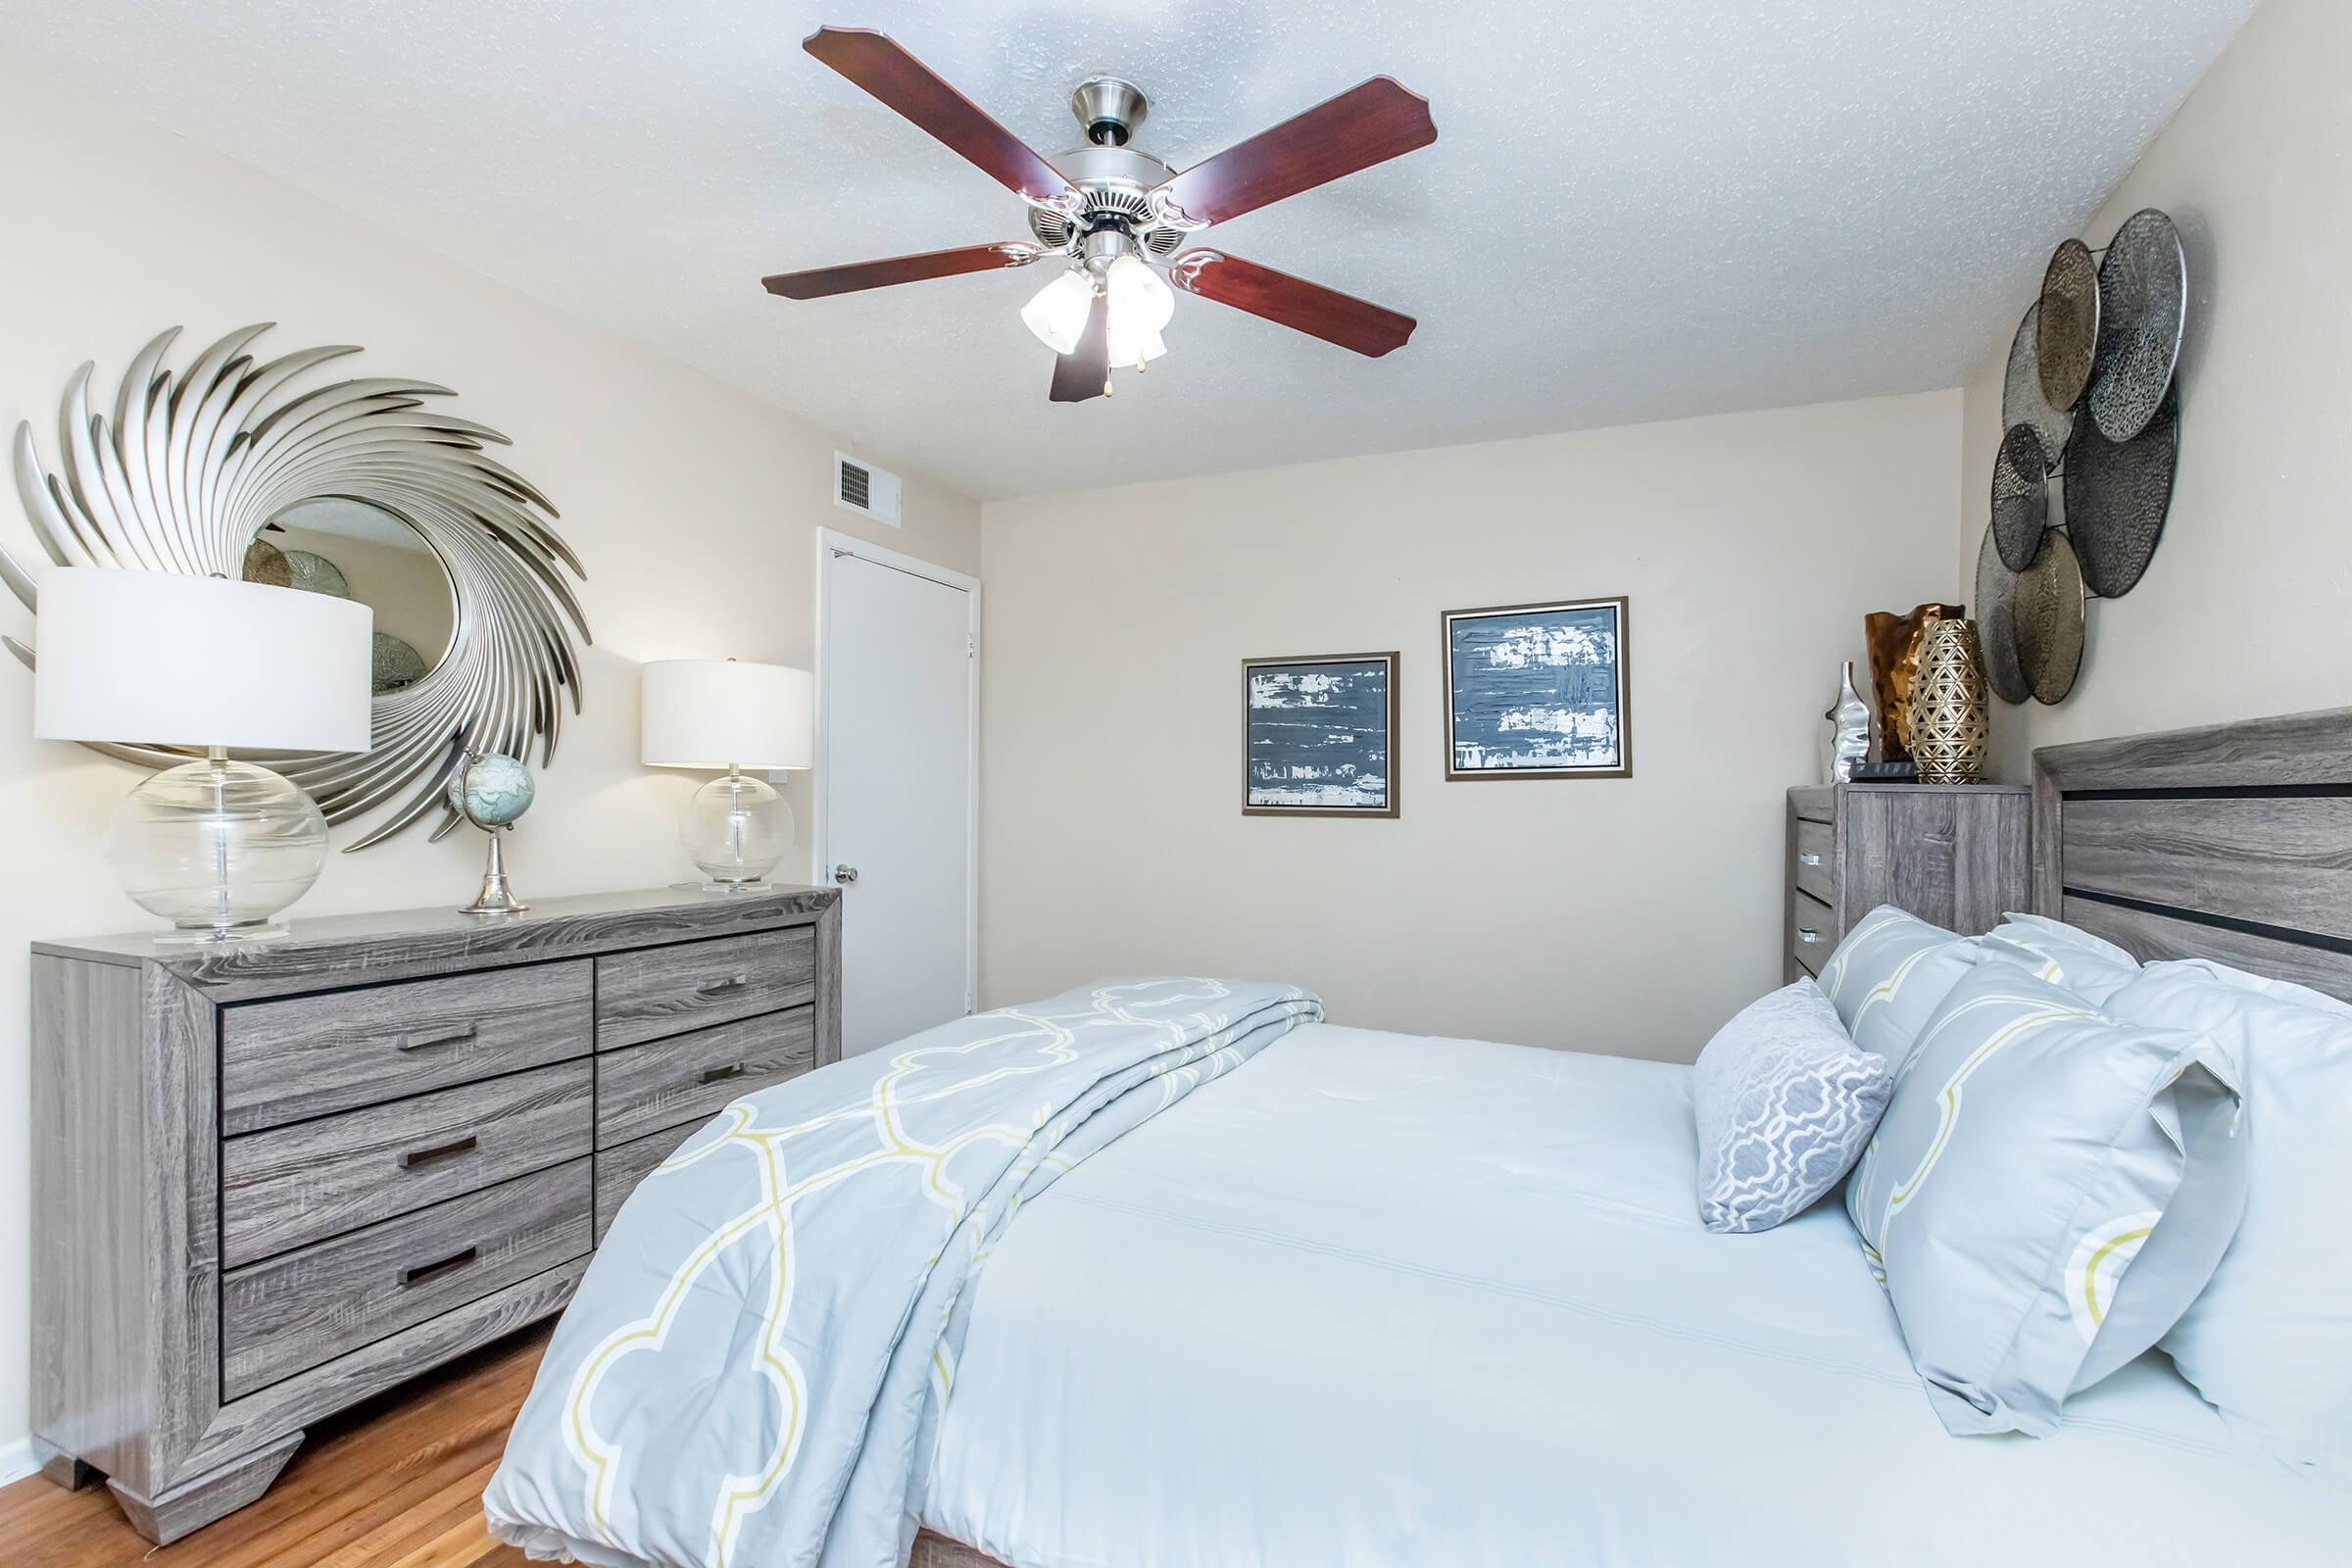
column 1784, row 1102
column 2049, row 1192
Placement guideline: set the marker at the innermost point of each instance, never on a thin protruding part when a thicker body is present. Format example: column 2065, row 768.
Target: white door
column 897, row 656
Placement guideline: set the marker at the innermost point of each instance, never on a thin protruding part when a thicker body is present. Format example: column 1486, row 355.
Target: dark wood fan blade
column 879, row 66
column 1085, row 372
column 819, row 281
column 1363, row 126
column 1292, row 302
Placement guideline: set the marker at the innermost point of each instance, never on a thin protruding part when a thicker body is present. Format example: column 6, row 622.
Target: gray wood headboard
column 2232, row 842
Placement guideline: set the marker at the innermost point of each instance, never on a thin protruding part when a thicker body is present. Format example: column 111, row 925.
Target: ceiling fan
column 1116, row 216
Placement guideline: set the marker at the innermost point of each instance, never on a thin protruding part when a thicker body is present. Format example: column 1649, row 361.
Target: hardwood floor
column 393, row 1483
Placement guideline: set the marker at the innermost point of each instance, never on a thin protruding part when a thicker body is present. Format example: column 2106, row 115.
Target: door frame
column 831, row 546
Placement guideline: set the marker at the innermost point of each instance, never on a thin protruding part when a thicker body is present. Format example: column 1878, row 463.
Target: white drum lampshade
column 723, row 714
column 163, row 659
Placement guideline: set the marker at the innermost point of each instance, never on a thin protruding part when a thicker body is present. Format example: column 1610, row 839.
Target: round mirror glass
column 355, row 551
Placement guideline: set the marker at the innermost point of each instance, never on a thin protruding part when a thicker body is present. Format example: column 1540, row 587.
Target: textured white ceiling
column 1634, row 208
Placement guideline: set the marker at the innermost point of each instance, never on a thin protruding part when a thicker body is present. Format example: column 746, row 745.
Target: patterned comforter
column 753, row 1370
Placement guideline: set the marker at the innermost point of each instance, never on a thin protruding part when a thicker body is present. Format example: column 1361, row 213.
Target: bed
column 1386, row 1300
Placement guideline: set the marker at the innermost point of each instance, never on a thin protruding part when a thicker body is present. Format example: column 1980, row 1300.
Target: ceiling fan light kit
column 1116, row 216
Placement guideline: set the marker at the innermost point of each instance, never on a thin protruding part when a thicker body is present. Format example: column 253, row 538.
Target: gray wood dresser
column 1959, row 855
column 273, row 1179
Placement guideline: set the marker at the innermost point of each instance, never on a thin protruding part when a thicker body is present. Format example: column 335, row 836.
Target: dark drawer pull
column 716, row 1075
column 455, row 1036
column 719, row 988
column 412, row 1157
column 425, row 1273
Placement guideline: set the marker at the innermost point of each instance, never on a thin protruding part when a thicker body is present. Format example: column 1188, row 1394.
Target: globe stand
column 496, row 897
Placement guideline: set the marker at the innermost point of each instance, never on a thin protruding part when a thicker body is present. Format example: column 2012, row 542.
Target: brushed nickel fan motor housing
column 1113, row 180
column 1108, row 109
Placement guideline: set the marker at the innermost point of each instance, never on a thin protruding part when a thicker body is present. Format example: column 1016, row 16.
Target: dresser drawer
column 691, row 985
column 619, row 1169
column 312, row 1306
column 666, row 1083
column 303, row 1056
column 1814, row 869
column 294, row 1185
column 1812, row 931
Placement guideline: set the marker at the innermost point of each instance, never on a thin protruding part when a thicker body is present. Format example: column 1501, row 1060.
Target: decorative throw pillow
column 2063, row 954
column 2270, row 1340
column 1888, row 974
column 1784, row 1103
column 2048, row 1193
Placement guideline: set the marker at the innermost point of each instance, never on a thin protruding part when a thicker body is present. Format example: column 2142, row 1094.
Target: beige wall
column 1627, row 916
column 690, row 503
column 2242, row 610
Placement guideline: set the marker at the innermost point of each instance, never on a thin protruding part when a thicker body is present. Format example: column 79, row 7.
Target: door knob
column 844, row 874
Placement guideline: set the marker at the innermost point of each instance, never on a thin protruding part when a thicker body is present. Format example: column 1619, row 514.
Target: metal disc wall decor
column 1996, row 624
column 2048, row 605
column 2022, row 402
column 2117, row 496
column 313, row 573
column 192, row 464
column 2143, row 292
column 2066, row 336
column 2021, row 496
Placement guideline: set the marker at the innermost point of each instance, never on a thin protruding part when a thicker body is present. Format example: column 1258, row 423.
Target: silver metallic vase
column 1849, row 729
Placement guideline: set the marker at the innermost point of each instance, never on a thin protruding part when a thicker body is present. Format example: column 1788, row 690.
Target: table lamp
column 721, row 714
column 217, row 846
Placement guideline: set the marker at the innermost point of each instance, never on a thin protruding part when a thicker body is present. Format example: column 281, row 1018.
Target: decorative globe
column 490, row 791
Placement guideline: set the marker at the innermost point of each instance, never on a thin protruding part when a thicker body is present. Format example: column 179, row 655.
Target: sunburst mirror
column 246, row 468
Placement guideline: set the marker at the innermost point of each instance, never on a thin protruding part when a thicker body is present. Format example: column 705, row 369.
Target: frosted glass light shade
column 163, row 659
column 1056, row 313
column 1141, row 305
column 719, row 712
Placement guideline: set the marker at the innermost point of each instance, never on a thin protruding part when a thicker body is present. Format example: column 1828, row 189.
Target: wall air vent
column 864, row 489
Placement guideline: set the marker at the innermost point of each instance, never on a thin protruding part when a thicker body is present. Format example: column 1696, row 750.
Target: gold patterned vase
column 1948, row 712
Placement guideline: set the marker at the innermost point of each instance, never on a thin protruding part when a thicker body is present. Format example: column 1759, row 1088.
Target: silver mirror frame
column 190, row 468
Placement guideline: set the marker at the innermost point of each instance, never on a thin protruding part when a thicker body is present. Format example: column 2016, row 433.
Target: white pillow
column 1888, row 974
column 2063, row 954
column 2270, row 1340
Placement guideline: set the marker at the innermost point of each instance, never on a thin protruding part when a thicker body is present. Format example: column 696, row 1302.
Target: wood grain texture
column 877, row 64
column 819, row 282
column 621, row 1167
column 1814, row 859
column 689, row 1077
column 1368, row 124
column 666, row 991
column 93, row 1308
column 935, row 1550
column 1338, row 318
column 188, row 1505
column 310, row 1305
column 1953, row 858
column 292, row 1185
column 1812, row 932
column 2294, row 749
column 304, row 1057
column 243, row 1425
column 828, row 985
column 1814, row 803
column 2284, row 861
column 2150, row 936
column 362, row 948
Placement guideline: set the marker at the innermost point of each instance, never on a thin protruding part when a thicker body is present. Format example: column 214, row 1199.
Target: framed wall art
column 1318, row 736
column 1537, row 691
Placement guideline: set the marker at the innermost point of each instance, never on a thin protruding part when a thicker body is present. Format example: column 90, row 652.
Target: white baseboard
column 17, row 1460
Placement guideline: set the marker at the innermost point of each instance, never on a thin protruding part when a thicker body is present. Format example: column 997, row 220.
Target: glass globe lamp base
column 218, row 848
column 735, row 830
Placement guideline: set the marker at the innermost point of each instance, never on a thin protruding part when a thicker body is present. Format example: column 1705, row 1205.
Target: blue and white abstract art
column 1537, row 691
column 1316, row 736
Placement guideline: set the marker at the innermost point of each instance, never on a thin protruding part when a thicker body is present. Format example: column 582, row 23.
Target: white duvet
column 1382, row 1299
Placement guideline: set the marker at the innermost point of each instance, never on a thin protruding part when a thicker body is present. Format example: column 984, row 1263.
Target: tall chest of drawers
column 273, row 1179
column 1958, row 855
